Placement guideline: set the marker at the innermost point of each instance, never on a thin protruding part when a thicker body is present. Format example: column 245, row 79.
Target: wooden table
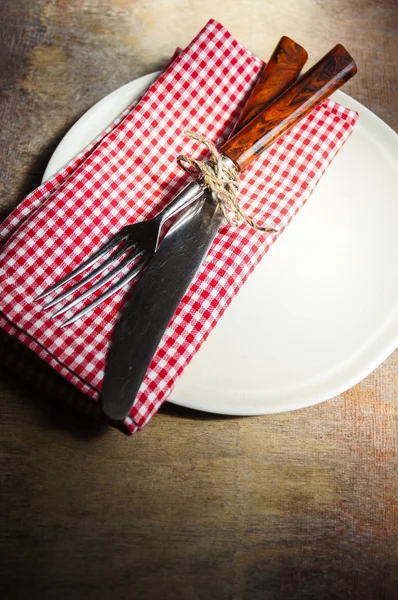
column 290, row 506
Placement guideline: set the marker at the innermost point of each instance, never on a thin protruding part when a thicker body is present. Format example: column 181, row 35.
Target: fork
column 138, row 242
column 135, row 244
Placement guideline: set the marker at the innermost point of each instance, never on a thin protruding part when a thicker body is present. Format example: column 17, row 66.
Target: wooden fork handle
column 279, row 73
column 326, row 76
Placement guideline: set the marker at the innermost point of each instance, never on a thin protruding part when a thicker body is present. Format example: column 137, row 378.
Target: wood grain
column 290, row 506
column 282, row 69
column 318, row 83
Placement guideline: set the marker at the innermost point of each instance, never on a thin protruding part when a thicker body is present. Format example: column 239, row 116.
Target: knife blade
column 172, row 269
column 156, row 298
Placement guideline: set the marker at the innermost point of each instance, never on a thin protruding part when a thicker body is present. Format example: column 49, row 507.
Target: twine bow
column 222, row 179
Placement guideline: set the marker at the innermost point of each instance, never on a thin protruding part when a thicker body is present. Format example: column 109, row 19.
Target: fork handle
column 280, row 72
column 326, row 76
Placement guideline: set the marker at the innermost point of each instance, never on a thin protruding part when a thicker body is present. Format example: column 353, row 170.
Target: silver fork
column 136, row 243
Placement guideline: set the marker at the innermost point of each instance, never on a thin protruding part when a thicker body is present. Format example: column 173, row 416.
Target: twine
column 222, row 179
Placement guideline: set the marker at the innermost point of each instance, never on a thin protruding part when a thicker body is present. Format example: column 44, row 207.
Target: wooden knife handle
column 326, row 76
column 279, row 73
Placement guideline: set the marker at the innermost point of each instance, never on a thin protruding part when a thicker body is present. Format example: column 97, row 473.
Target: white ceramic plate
column 320, row 312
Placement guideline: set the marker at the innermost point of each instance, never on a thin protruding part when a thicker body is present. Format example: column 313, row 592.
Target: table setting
column 208, row 259
column 103, row 177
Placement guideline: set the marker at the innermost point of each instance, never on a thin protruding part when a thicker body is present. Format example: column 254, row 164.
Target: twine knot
column 222, row 179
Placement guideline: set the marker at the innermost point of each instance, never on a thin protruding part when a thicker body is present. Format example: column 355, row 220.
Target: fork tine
column 86, row 278
column 99, row 284
column 111, row 290
column 84, row 265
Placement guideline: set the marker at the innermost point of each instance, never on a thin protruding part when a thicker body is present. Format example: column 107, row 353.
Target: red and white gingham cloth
column 129, row 174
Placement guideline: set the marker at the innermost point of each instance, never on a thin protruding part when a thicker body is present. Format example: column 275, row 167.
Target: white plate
column 320, row 312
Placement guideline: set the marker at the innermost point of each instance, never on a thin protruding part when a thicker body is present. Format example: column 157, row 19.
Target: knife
column 172, row 269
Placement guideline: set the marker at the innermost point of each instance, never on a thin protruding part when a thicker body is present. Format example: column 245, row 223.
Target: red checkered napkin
column 129, row 174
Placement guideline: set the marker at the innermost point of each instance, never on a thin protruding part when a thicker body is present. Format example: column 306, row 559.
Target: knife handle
column 280, row 72
column 319, row 82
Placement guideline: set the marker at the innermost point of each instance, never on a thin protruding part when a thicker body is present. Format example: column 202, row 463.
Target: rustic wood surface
column 290, row 506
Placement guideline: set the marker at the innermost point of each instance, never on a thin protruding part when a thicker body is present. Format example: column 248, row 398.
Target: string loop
column 222, row 179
